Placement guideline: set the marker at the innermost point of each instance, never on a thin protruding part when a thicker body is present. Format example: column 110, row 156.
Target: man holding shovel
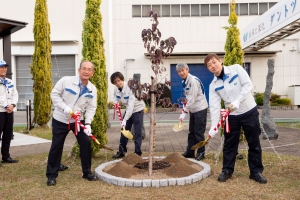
column 134, row 114
column 72, row 94
column 196, row 105
column 233, row 85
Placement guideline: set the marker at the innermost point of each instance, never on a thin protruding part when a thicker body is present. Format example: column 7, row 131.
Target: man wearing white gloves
column 196, row 105
column 134, row 114
column 233, row 85
column 72, row 94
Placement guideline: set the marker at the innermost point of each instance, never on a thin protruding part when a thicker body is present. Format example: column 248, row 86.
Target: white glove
column 182, row 115
column 68, row 110
column 213, row 132
column 123, row 123
column 87, row 130
column 235, row 105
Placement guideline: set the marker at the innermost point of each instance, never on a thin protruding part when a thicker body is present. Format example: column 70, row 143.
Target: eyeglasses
column 87, row 69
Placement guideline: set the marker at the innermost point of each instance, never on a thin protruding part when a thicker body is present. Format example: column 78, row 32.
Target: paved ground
column 166, row 139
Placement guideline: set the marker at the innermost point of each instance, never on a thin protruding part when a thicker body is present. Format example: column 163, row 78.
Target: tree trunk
column 267, row 121
column 152, row 127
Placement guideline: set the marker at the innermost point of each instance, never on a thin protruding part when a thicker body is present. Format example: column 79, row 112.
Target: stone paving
column 167, row 140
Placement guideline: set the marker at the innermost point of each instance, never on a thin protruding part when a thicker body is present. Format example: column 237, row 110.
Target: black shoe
column 186, row 155
column 224, row 176
column 62, row 167
column 9, row 160
column 118, row 155
column 200, row 156
column 51, row 181
column 258, row 177
column 90, row 177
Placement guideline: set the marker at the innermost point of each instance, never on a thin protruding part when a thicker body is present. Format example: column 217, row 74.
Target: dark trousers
column 6, row 128
column 250, row 123
column 59, row 132
column 136, row 119
column 197, row 128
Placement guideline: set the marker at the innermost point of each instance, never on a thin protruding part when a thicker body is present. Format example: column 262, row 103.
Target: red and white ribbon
column 118, row 111
column 76, row 116
column 224, row 119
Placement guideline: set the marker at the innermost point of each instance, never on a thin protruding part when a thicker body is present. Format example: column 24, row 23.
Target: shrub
column 283, row 101
column 275, row 100
column 274, row 97
column 259, row 100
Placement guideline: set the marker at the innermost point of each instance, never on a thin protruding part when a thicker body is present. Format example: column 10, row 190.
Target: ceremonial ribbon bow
column 224, row 119
column 76, row 116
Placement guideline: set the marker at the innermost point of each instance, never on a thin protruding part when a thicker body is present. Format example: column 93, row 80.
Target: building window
column 224, row 9
column 195, row 10
column 243, row 9
column 204, row 9
column 237, row 6
column 271, row 4
column 165, row 11
column 263, row 7
column 136, row 11
column 146, row 9
column 185, row 10
column 175, row 10
column 157, row 9
column 253, row 9
column 214, row 9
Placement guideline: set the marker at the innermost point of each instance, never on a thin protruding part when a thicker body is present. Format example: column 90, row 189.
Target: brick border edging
column 294, row 107
column 110, row 179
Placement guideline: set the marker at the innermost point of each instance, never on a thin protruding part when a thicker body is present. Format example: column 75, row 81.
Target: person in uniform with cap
column 233, row 85
column 134, row 113
column 8, row 100
column 196, row 105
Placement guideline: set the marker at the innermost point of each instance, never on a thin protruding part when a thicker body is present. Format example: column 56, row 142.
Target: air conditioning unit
column 294, row 94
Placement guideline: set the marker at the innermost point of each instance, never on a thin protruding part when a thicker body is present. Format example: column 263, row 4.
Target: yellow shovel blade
column 178, row 127
column 127, row 133
column 200, row 144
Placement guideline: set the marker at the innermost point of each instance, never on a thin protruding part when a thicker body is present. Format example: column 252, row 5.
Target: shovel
column 201, row 144
column 178, row 127
column 101, row 145
column 126, row 133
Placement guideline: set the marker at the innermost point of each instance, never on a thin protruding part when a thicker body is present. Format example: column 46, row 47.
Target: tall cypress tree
column 93, row 51
column 233, row 49
column 41, row 64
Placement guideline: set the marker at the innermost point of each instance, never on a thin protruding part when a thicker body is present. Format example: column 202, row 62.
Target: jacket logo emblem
column 235, row 83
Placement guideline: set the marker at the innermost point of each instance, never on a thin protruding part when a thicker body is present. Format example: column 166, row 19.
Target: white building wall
column 122, row 34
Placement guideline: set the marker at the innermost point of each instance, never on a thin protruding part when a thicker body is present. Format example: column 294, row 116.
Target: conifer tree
column 41, row 65
column 93, row 50
column 233, row 49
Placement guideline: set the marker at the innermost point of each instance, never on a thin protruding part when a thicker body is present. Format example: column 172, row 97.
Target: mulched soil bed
column 173, row 166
